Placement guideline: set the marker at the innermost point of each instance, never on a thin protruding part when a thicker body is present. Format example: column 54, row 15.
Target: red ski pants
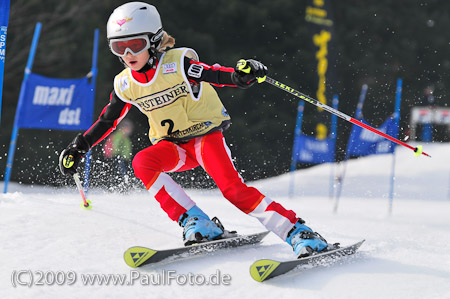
column 212, row 153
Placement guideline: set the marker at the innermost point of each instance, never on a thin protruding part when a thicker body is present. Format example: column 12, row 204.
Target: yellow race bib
column 173, row 111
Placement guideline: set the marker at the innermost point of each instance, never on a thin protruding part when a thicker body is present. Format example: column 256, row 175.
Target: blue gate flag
column 309, row 149
column 313, row 150
column 363, row 142
column 60, row 104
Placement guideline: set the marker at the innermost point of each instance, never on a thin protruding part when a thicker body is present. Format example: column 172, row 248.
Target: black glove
column 71, row 156
column 247, row 72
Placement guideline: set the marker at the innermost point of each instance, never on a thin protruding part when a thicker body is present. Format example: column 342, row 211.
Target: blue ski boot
column 304, row 241
column 199, row 228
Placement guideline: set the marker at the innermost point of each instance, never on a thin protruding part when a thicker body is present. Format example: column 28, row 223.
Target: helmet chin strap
column 152, row 51
column 150, row 63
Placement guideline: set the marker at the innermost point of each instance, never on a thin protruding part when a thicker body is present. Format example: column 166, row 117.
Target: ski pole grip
column 243, row 67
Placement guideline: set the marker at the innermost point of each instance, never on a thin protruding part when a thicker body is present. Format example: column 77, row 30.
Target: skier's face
column 136, row 62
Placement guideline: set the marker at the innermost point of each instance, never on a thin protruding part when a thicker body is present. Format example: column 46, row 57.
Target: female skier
column 186, row 117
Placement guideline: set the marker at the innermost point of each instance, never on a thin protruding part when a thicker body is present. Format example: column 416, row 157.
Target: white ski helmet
column 136, row 18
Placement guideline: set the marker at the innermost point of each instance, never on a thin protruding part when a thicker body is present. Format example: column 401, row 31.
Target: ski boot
column 304, row 241
column 199, row 228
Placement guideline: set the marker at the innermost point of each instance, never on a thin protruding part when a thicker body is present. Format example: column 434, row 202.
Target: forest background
column 376, row 42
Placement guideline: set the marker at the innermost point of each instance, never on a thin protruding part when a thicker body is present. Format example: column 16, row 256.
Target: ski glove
column 71, row 156
column 247, row 72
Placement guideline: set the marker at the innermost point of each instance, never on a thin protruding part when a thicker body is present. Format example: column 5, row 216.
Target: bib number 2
column 171, row 125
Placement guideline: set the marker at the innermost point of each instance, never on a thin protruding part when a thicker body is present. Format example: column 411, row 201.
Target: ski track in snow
column 406, row 255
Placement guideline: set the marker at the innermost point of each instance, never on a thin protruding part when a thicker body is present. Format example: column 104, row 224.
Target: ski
column 262, row 270
column 139, row 256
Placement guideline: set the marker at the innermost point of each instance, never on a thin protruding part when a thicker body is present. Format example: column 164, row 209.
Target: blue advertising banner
column 60, row 104
column 313, row 150
column 363, row 142
column 308, row 149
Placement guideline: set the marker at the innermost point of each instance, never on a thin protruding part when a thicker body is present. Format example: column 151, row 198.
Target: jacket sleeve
column 108, row 120
column 217, row 75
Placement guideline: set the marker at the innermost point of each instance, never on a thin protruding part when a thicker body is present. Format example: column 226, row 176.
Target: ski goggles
column 135, row 45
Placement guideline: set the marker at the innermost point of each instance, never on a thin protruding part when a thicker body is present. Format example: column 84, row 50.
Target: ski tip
column 355, row 245
column 264, row 234
column 136, row 256
column 261, row 269
column 359, row 243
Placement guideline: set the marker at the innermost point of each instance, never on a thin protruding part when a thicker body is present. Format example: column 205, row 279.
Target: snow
column 406, row 254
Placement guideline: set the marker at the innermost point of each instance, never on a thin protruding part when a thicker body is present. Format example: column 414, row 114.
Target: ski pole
column 86, row 203
column 417, row 150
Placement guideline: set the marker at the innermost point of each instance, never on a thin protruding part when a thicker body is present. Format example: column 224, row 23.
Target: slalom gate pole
column 417, row 150
column 23, row 86
column 86, row 203
column 358, row 115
